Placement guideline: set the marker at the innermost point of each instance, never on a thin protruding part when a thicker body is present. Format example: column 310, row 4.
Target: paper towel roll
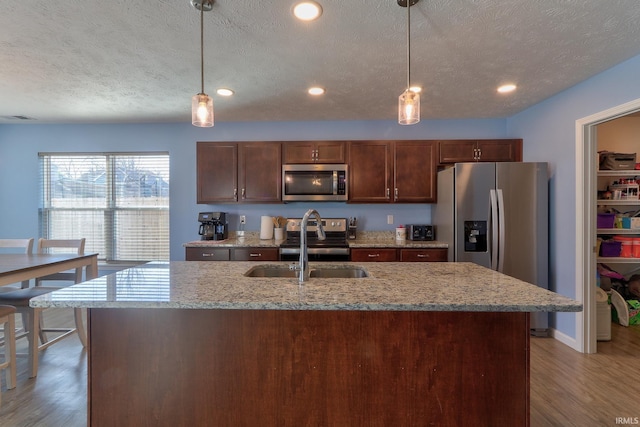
column 266, row 228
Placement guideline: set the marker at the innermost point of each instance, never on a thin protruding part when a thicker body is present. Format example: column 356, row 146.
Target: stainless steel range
column 333, row 248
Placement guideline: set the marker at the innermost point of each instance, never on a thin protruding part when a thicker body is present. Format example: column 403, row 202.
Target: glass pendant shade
column 409, row 108
column 202, row 110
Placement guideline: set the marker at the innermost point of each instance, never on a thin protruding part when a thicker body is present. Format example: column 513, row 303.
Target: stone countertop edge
column 365, row 239
column 390, row 287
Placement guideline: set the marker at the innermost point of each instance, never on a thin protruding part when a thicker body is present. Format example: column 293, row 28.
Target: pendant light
column 409, row 101
column 202, row 104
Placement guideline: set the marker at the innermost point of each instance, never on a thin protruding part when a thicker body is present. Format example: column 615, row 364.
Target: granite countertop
column 437, row 286
column 366, row 239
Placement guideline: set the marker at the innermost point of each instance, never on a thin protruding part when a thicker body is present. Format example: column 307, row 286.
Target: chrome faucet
column 303, row 264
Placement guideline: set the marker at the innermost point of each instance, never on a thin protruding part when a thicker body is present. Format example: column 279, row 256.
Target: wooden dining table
column 15, row 268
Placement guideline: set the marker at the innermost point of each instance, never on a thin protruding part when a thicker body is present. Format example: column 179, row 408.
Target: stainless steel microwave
column 314, row 182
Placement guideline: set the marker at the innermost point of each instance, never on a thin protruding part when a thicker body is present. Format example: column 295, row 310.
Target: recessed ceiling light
column 507, row 88
column 316, row 90
column 224, row 92
column 415, row 89
column 307, row 10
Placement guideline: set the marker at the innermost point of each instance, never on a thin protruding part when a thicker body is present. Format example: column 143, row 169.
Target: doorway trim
column 586, row 187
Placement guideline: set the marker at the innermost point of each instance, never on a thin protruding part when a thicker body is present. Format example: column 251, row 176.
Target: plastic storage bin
column 626, row 246
column 603, row 316
column 610, row 248
column 605, row 220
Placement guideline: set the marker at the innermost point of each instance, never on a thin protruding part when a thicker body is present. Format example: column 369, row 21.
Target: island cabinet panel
column 207, row 254
column 313, row 152
column 373, row 255
column 483, row 150
column 239, row 172
column 191, row 367
column 423, row 255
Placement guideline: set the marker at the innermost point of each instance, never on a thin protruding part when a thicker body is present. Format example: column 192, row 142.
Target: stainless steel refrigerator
column 496, row 215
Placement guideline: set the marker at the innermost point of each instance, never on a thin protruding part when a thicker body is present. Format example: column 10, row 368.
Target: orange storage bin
column 635, row 248
column 626, row 250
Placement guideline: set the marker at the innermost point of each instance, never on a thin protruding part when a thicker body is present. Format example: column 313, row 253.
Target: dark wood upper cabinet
column 217, row 172
column 370, row 171
column 313, row 152
column 414, row 172
column 239, row 172
column 260, row 172
column 392, row 171
column 482, row 150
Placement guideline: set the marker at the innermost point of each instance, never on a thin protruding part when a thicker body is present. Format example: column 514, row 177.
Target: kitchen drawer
column 208, row 254
column 256, row 254
column 423, row 255
column 373, row 255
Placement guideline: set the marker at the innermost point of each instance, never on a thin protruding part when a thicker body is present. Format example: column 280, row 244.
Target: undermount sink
column 320, row 272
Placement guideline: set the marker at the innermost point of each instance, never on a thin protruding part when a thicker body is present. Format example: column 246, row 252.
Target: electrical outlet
column 389, row 219
column 243, row 219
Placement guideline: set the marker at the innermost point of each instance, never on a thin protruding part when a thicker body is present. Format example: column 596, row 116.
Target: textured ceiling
column 71, row 61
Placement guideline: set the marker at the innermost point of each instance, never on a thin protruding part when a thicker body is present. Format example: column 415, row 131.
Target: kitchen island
column 199, row 343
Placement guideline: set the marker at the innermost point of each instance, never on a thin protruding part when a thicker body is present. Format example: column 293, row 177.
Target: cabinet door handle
column 373, row 255
column 388, row 193
column 396, row 194
column 235, row 194
column 244, row 195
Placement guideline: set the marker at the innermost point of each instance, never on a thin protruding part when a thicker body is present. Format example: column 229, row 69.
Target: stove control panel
column 329, row 224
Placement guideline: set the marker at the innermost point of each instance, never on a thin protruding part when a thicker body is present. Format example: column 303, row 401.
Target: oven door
column 315, row 254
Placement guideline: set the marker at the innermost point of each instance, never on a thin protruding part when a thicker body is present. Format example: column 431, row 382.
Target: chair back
column 75, row 246
column 18, row 246
column 25, row 245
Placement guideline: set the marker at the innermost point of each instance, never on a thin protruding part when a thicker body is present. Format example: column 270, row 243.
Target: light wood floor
column 567, row 388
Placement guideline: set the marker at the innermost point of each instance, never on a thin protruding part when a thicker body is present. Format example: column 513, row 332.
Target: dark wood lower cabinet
column 424, row 255
column 256, row 254
column 207, row 254
column 373, row 255
column 402, row 255
column 182, row 367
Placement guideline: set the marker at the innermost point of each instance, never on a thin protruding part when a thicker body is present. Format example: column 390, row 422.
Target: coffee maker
column 213, row 226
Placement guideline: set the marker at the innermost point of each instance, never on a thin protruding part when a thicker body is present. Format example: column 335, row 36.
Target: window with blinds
column 119, row 202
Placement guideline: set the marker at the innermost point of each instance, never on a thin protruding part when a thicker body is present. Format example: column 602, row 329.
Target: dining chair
column 7, row 318
column 32, row 316
column 75, row 246
column 25, row 245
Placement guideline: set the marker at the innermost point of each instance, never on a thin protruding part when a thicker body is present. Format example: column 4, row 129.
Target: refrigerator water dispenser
column 475, row 236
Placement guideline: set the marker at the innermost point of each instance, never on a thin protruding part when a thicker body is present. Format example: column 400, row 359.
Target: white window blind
column 119, row 202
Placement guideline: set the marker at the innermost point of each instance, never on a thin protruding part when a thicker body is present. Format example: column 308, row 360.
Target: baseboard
column 564, row 338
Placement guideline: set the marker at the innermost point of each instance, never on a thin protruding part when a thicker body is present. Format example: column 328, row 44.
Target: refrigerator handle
column 501, row 232
column 493, row 225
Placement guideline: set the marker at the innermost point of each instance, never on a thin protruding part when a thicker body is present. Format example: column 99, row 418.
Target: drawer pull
column 423, row 255
column 255, row 255
column 373, row 255
column 207, row 254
